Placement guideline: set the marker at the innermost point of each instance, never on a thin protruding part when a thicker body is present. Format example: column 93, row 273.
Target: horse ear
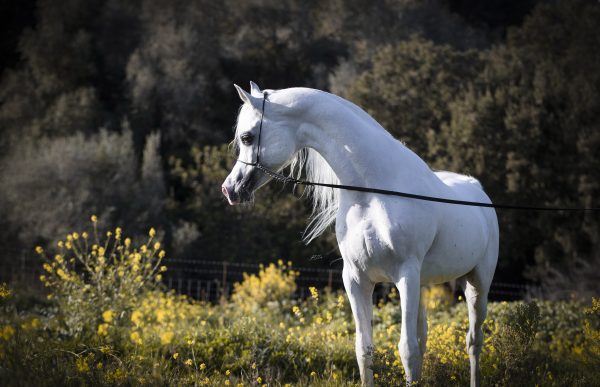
column 255, row 90
column 246, row 97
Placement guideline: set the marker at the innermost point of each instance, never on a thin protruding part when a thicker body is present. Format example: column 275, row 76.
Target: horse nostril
column 225, row 192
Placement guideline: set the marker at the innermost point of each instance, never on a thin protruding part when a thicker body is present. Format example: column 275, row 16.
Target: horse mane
column 310, row 165
column 325, row 200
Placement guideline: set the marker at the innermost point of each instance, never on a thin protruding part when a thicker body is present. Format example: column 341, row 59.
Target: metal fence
column 211, row 280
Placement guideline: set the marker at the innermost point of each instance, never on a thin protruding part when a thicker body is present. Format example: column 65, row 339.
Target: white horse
column 411, row 243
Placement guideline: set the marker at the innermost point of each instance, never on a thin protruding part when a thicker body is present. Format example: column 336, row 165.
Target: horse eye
column 247, row 138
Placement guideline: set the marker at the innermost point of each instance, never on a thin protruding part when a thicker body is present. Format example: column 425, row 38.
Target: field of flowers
column 107, row 320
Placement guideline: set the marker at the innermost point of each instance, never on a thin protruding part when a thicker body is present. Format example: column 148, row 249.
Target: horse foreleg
column 360, row 295
column 410, row 351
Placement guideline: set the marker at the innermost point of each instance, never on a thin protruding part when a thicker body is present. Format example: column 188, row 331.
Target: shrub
column 96, row 280
column 109, row 321
column 273, row 285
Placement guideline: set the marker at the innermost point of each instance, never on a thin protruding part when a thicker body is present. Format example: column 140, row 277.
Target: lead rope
column 288, row 179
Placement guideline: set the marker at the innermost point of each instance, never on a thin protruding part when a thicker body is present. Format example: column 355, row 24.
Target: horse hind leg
column 476, row 289
column 422, row 325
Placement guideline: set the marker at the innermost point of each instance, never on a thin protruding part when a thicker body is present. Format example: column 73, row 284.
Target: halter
column 287, row 179
column 262, row 116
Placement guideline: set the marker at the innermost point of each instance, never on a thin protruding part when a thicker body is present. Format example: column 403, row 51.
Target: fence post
column 224, row 281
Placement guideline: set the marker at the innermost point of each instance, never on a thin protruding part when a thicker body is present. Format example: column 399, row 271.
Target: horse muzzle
column 241, row 191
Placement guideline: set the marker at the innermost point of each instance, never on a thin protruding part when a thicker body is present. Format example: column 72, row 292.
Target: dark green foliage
column 55, row 185
column 268, row 229
column 517, row 108
column 410, row 85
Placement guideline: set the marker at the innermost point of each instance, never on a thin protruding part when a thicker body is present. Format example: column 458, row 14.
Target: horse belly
column 459, row 246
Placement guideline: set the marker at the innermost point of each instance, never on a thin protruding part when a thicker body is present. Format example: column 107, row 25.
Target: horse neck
column 357, row 148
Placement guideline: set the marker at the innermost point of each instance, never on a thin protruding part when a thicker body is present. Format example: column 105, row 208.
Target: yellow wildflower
column 136, row 317
column 152, row 232
column 314, row 292
column 202, row 366
column 7, row 332
column 162, row 254
column 175, row 355
column 61, row 273
column 47, row 267
column 103, row 329
column 136, row 338
column 127, row 242
column 166, row 337
column 107, row 316
column 84, row 235
column 188, row 362
column 259, row 380
column 5, row 291
column 39, row 249
column 94, row 218
column 82, row 365
column 157, row 246
column 75, row 236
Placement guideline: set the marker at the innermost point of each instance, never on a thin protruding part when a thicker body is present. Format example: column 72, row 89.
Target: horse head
column 261, row 139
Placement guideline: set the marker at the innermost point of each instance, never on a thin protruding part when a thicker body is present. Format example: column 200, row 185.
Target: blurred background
column 124, row 109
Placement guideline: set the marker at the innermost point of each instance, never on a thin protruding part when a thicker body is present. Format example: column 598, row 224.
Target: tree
column 270, row 228
column 410, row 85
column 53, row 186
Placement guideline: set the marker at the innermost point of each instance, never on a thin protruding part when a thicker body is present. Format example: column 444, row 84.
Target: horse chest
column 374, row 240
